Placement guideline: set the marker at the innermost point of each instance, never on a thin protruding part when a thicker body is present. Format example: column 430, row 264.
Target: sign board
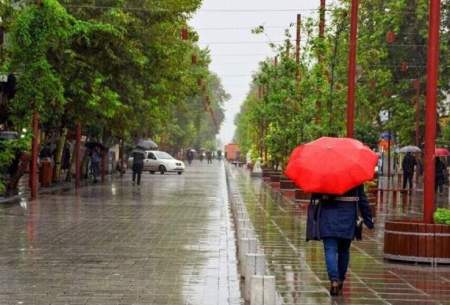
column 3, row 78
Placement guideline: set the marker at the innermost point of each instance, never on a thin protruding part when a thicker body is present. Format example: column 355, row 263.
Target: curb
column 258, row 283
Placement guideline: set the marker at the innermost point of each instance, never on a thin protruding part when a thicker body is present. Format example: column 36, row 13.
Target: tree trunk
column 58, row 154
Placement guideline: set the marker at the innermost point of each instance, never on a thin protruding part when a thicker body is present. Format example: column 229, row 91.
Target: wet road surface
column 299, row 266
column 168, row 241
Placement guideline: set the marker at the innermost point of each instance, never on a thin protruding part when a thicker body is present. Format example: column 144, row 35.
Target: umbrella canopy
column 441, row 152
column 147, row 144
column 331, row 165
column 138, row 150
column 410, row 148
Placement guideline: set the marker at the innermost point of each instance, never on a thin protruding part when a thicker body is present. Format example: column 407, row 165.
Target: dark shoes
column 336, row 288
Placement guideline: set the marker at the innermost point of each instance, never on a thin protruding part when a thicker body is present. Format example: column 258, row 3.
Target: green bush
column 442, row 216
column 8, row 150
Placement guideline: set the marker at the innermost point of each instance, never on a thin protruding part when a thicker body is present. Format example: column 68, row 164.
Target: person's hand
column 369, row 223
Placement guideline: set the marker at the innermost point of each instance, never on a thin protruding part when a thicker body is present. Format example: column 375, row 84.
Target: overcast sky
column 225, row 27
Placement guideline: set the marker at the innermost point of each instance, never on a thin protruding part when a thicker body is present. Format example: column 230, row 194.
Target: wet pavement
column 168, row 241
column 299, row 265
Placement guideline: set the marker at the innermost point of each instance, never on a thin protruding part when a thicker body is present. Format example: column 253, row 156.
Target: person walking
column 209, row 157
column 65, row 161
column 339, row 224
column 440, row 169
column 95, row 163
column 408, row 164
column 190, row 156
column 138, row 165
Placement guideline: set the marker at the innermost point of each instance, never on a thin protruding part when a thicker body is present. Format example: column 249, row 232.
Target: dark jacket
column 408, row 163
column 440, row 171
column 338, row 218
column 65, row 160
column 138, row 159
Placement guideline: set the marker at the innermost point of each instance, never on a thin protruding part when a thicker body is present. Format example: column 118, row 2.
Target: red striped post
column 430, row 109
column 352, row 69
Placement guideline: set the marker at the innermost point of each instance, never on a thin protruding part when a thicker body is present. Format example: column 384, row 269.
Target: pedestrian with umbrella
column 147, row 144
column 408, row 164
column 334, row 170
column 138, row 164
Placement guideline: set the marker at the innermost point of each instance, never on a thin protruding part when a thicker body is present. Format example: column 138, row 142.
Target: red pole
column 417, row 102
column 417, row 99
column 322, row 19
column 352, row 69
column 34, row 156
column 430, row 110
column 321, row 35
column 78, row 155
column 389, row 156
column 297, row 45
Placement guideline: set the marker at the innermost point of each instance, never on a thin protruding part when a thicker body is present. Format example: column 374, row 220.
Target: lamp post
column 320, row 56
column 322, row 18
column 352, row 69
column 34, row 156
column 416, row 84
column 430, row 110
column 297, row 46
column 78, row 155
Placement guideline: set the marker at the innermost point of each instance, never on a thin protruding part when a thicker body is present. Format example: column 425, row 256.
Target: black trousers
column 137, row 172
column 407, row 178
column 439, row 184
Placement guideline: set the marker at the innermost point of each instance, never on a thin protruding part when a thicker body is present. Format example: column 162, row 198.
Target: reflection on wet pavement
column 168, row 241
column 299, row 266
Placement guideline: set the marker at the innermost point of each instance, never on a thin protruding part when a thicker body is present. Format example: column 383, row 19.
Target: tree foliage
column 281, row 112
column 122, row 69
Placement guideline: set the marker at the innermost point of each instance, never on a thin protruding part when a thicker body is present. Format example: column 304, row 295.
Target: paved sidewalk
column 299, row 267
column 168, row 241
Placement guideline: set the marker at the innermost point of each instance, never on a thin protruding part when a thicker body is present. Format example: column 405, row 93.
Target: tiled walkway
column 299, row 266
column 168, row 241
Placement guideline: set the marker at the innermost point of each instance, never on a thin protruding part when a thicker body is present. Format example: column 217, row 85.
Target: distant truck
column 232, row 152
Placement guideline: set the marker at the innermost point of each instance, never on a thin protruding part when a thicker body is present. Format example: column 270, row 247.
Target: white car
column 160, row 161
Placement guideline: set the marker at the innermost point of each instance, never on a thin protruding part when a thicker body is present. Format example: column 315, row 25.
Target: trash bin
column 46, row 173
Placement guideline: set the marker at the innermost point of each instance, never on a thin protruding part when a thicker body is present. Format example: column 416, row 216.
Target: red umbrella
column 331, row 165
column 441, row 152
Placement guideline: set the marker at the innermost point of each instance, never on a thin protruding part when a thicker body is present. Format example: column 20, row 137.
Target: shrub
column 442, row 216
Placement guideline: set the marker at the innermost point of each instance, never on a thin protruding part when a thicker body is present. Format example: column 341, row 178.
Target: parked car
column 160, row 161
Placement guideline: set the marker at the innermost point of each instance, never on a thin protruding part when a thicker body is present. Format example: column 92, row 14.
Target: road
column 168, row 241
